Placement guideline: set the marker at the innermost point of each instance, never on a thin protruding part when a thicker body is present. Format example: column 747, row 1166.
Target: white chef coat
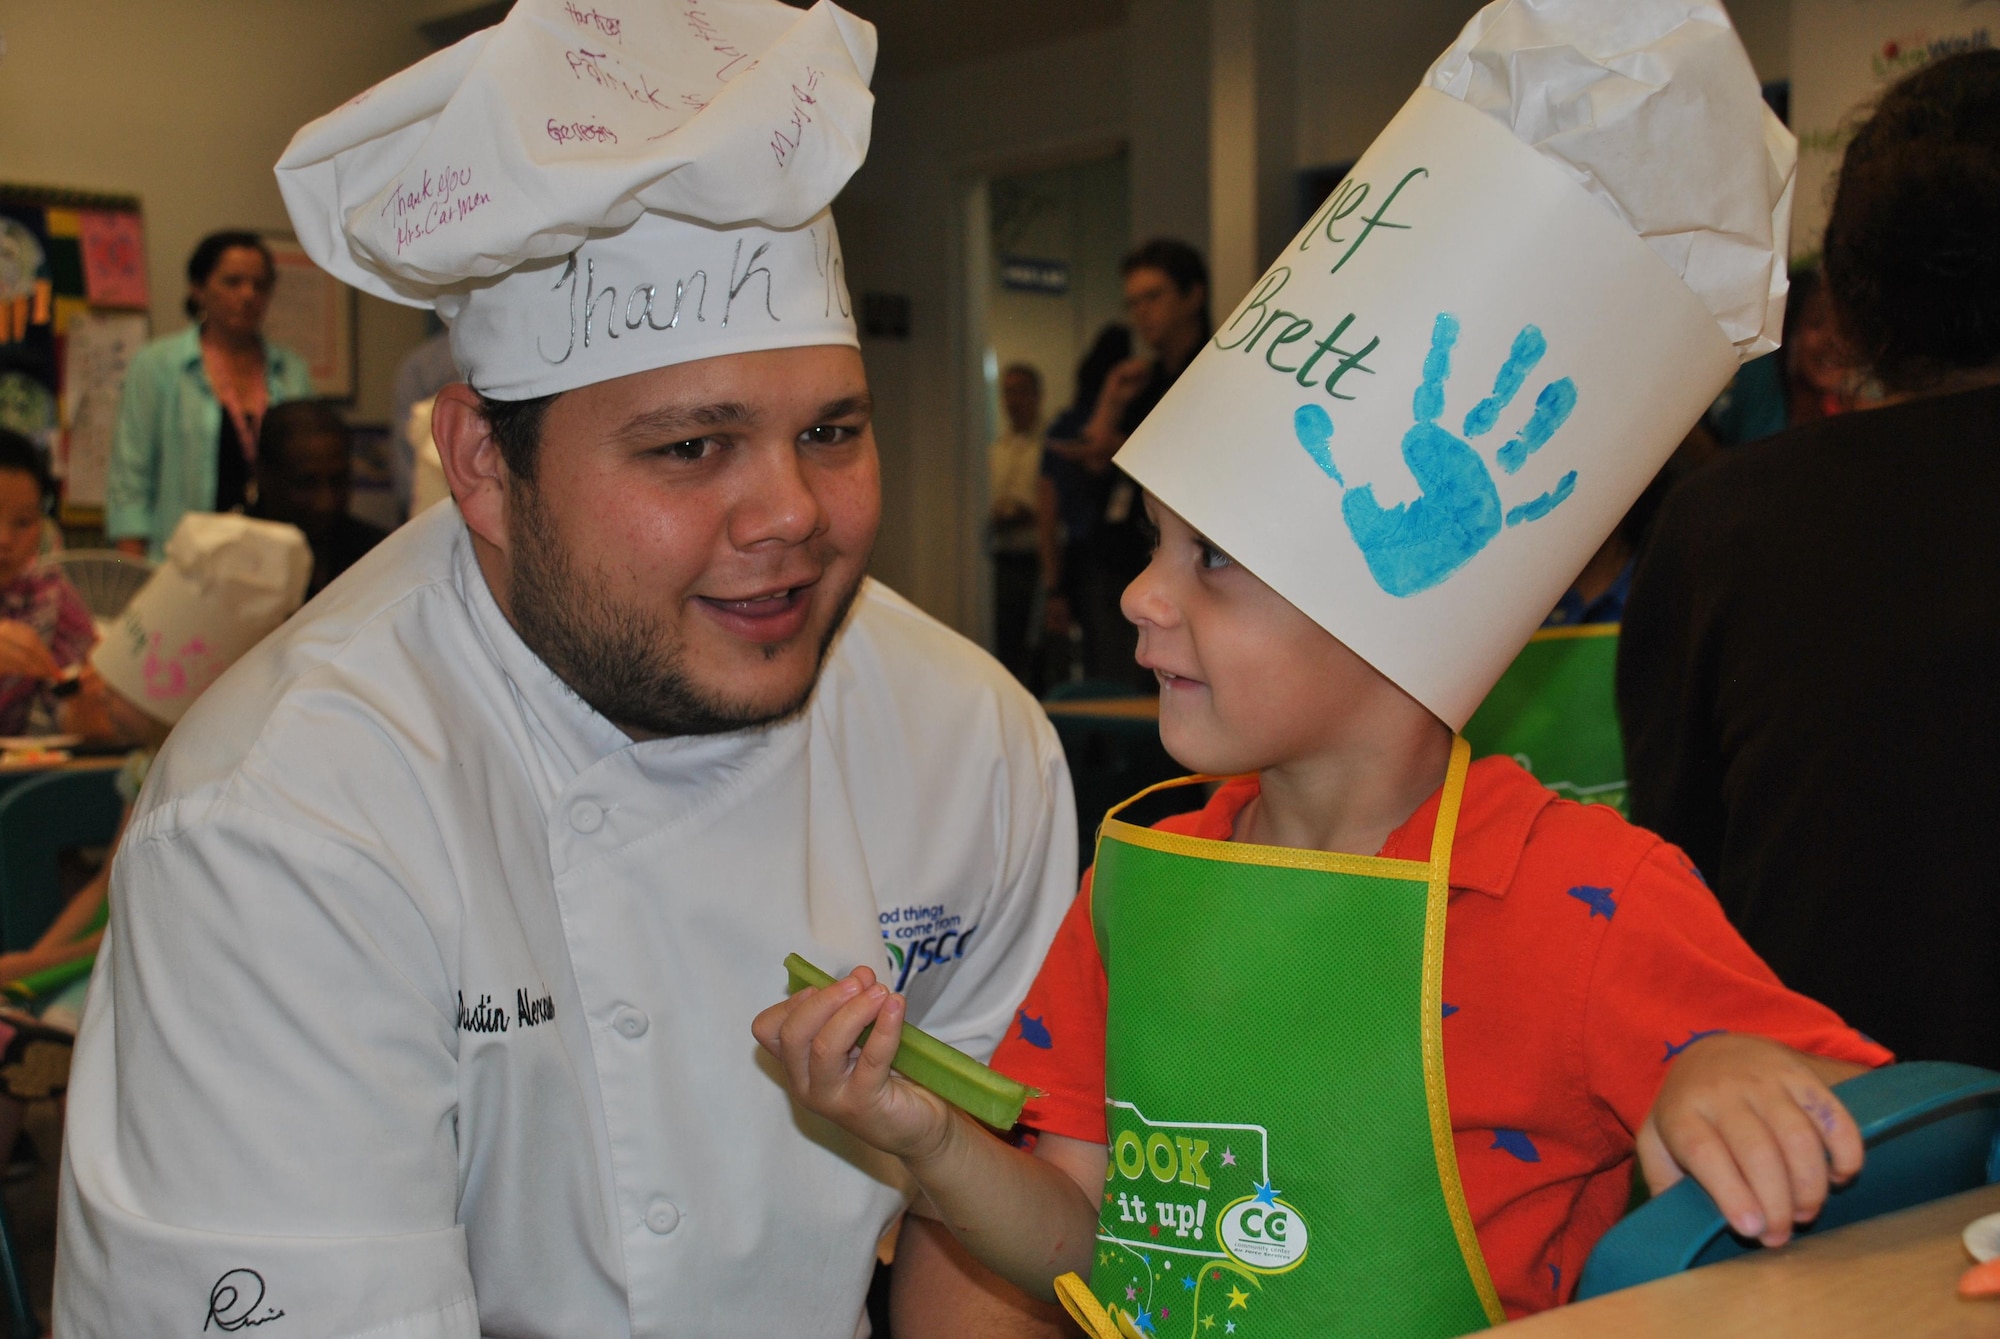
column 425, row 1009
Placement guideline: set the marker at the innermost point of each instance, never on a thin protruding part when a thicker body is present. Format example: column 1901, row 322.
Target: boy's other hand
column 1757, row 1125
column 816, row 1036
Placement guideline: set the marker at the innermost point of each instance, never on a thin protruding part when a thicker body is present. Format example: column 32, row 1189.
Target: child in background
column 44, row 626
column 1370, row 1043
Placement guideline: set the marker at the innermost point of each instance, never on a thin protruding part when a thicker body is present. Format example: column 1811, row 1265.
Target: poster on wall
column 27, row 322
column 312, row 314
column 114, row 258
column 97, row 348
column 1844, row 52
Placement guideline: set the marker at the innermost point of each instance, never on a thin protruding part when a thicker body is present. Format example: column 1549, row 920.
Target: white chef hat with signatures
column 593, row 188
column 1447, row 391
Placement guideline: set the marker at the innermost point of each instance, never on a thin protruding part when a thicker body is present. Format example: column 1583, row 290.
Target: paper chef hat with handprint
column 584, row 193
column 1435, row 406
column 227, row 581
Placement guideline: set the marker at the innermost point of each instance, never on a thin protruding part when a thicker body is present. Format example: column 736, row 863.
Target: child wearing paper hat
column 1368, row 1044
column 227, row 581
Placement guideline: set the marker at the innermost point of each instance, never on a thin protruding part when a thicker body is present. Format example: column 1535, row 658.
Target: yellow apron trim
column 1248, row 853
column 1575, row 630
column 1097, row 843
column 1280, row 857
column 1084, row 1308
column 1436, row 902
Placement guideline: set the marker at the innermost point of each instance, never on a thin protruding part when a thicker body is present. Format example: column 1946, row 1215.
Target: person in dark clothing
column 1166, row 299
column 304, row 478
column 1805, row 680
column 1069, row 505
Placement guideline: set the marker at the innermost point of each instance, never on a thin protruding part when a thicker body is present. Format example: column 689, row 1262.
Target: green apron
column 1280, row 1156
column 1555, row 711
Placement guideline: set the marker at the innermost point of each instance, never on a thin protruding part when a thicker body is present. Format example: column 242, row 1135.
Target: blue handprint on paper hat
column 1429, row 413
column 1412, row 546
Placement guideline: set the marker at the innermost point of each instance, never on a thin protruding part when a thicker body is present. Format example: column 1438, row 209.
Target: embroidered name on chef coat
column 485, row 1016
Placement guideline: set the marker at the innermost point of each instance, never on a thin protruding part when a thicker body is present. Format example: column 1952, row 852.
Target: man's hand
column 22, row 652
column 1757, row 1125
column 1124, row 384
column 816, row 1035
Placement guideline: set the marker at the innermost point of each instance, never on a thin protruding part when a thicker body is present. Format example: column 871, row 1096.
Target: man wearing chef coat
column 439, row 926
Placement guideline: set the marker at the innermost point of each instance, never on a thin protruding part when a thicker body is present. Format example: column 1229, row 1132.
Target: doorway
column 1044, row 249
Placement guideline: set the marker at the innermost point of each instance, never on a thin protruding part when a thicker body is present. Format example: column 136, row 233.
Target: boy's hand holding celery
column 1029, row 1217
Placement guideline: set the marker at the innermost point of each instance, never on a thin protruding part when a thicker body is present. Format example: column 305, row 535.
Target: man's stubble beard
column 624, row 662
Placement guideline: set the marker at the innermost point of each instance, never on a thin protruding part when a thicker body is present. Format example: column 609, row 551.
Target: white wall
column 187, row 106
column 1766, row 29
column 903, row 226
column 1167, row 44
column 1081, row 217
column 1357, row 63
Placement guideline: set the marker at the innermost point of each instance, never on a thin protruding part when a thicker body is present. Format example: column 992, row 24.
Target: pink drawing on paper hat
column 169, row 677
column 164, row 678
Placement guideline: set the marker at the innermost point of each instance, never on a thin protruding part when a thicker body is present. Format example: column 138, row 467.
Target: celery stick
column 945, row 1070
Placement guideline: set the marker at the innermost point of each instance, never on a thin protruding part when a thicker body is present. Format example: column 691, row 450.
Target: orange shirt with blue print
column 1582, row 955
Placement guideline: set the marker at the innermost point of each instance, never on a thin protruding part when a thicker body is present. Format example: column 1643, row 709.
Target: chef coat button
column 586, row 817
column 631, row 1025
column 662, row 1217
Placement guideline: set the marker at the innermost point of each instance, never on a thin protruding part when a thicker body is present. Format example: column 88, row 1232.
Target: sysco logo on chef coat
column 918, row 938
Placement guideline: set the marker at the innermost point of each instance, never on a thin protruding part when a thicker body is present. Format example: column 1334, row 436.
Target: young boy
column 1595, row 1002
column 1368, row 1044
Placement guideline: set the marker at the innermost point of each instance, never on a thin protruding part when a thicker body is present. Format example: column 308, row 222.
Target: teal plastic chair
column 1931, row 1129
column 39, row 818
column 1084, row 690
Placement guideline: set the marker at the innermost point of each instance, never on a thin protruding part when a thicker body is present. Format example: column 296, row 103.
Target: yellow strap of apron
column 1086, row 1310
column 1436, row 903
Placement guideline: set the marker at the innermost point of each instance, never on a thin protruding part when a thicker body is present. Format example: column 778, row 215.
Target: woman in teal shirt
column 188, row 419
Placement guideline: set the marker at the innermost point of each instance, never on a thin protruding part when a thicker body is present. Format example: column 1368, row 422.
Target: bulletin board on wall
column 312, row 314
column 73, row 311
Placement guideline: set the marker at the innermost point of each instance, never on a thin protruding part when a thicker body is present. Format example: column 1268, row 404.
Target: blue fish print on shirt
column 1034, row 1032
column 1450, row 1009
column 1414, row 546
column 1597, row 899
column 1693, row 1037
column 1518, row 1144
column 1555, row 1278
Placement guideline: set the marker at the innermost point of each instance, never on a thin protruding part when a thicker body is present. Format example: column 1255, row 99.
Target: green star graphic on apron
column 1555, row 711
column 1281, row 1163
